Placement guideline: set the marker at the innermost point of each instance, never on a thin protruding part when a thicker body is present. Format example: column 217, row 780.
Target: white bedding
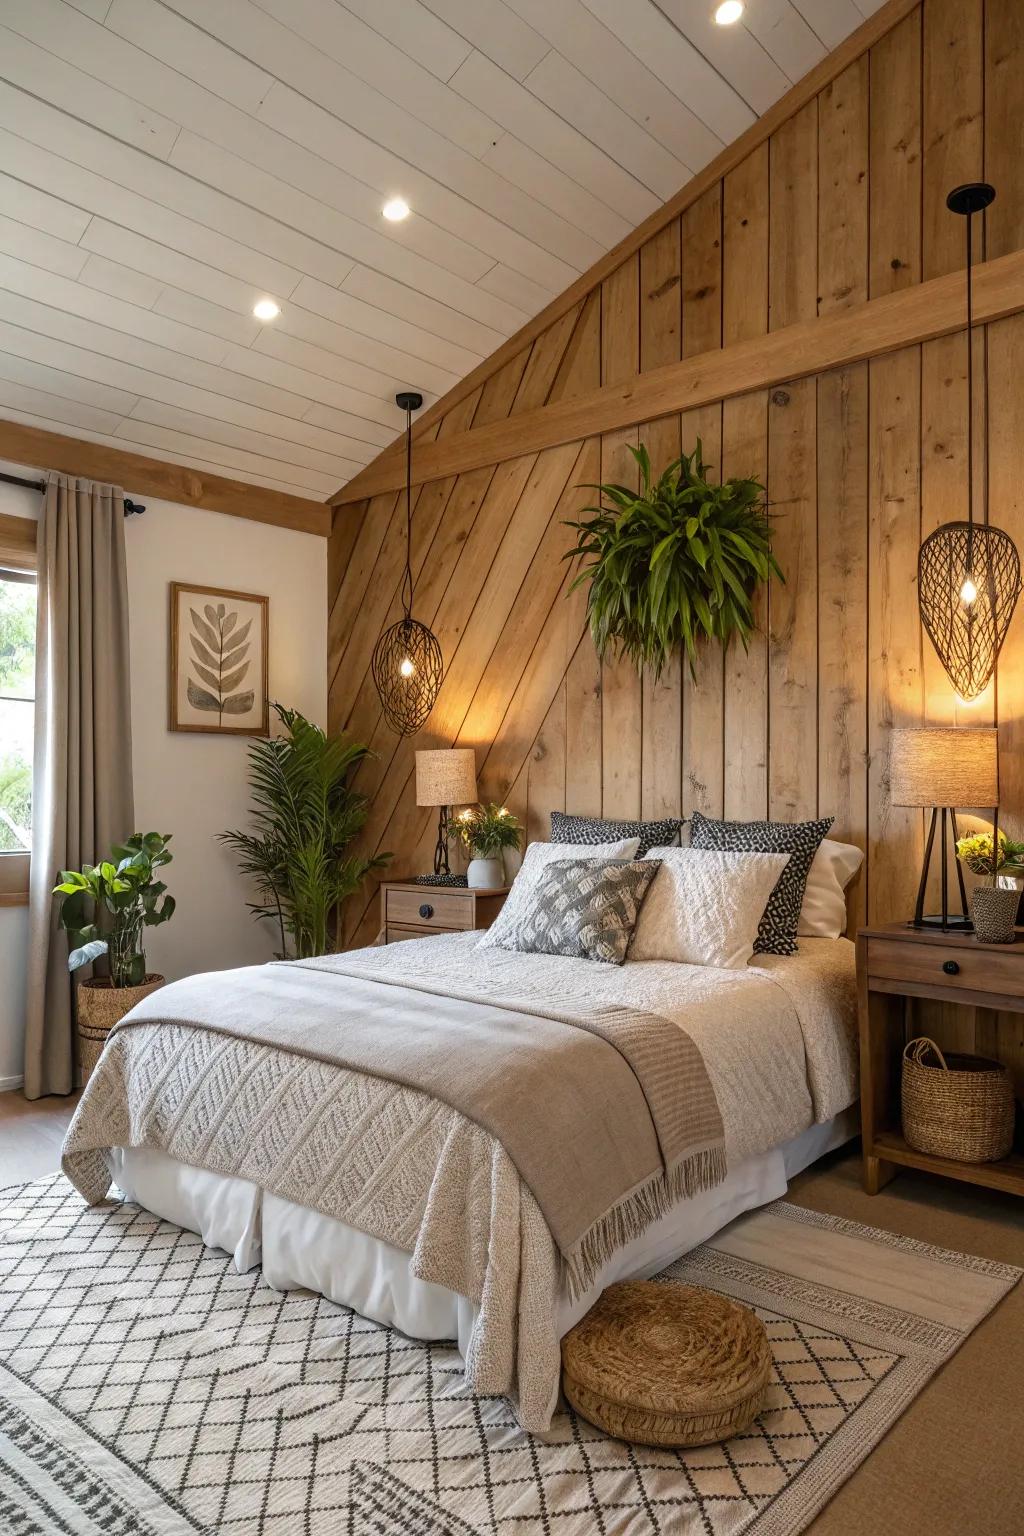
column 779, row 1043
column 298, row 1247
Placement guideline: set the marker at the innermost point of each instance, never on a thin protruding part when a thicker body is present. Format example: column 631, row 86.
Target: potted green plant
column 486, row 831
column 306, row 814
column 993, row 907
column 675, row 563
column 104, row 910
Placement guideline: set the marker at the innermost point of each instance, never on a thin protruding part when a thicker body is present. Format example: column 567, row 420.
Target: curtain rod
column 131, row 508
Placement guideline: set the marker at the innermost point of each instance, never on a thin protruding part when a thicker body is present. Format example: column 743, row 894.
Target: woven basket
column 667, row 1365
column 100, row 1007
column 960, row 1107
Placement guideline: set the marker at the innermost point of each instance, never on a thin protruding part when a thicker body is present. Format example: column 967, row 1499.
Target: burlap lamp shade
column 943, row 765
column 445, row 777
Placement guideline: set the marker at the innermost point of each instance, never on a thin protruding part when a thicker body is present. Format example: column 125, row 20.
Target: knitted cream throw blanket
column 608, row 1115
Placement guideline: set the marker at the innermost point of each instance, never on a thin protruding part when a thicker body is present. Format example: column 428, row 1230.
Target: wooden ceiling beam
column 805, row 89
column 153, row 477
column 902, row 319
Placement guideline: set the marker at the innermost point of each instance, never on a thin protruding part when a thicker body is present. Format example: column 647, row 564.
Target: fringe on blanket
column 698, row 1171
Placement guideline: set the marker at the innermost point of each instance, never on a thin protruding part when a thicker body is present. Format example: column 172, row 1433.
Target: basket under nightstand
column 895, row 965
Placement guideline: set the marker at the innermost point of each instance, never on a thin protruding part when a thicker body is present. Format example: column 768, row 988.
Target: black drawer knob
column 426, row 910
column 951, row 967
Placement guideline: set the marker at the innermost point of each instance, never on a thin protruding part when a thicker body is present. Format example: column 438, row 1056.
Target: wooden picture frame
column 219, row 661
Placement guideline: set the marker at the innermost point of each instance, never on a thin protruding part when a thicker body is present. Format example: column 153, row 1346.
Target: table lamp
column 941, row 768
column 445, row 778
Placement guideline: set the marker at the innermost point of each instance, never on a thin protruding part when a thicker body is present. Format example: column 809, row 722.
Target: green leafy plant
column 674, row 563
column 122, row 899
column 306, row 814
column 976, row 852
column 484, row 830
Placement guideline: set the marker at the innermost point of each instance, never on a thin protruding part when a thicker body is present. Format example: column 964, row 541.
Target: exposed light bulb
column 406, row 667
column 728, row 12
column 968, row 592
column 266, row 309
column 395, row 210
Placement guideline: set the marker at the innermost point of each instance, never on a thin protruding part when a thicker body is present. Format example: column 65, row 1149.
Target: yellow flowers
column 976, row 852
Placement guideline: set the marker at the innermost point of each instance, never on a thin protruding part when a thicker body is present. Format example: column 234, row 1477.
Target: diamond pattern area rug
column 147, row 1389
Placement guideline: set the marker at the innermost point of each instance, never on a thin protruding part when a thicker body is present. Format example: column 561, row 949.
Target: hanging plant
column 675, row 563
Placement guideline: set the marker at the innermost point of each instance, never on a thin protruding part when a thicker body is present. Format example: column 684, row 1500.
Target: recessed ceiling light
column 266, row 309
column 728, row 12
column 395, row 209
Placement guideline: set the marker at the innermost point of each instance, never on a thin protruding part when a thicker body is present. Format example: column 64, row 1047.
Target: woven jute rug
column 146, row 1389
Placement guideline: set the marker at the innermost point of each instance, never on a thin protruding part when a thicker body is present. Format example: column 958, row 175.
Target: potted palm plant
column 105, row 909
column 306, row 814
column 486, row 831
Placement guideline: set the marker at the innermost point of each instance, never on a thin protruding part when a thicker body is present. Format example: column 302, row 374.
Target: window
column 17, row 710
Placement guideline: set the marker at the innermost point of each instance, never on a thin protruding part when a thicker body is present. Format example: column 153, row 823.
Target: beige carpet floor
column 953, row 1463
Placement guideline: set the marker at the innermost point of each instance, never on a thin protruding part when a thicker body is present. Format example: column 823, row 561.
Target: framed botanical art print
column 219, row 643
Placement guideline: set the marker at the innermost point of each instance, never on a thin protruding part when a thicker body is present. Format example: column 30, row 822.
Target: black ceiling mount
column 408, row 400
column 972, row 197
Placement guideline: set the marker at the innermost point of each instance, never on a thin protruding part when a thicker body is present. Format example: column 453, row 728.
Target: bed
column 249, row 1106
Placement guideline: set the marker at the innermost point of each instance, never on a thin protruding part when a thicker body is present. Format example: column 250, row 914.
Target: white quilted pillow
column 705, row 905
column 506, row 925
column 823, row 912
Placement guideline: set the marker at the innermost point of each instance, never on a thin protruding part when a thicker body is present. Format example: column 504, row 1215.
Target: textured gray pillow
column 585, row 909
column 800, row 839
column 592, row 830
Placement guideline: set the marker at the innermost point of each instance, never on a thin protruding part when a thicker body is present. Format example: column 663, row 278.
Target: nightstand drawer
column 958, row 967
column 397, row 935
column 432, row 909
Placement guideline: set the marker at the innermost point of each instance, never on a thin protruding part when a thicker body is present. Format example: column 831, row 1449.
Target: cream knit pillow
column 705, row 905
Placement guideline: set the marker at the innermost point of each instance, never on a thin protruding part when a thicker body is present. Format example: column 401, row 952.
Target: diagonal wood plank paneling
column 840, row 205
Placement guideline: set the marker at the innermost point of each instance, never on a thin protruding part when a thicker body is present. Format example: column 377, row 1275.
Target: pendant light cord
column 970, row 400
column 407, row 580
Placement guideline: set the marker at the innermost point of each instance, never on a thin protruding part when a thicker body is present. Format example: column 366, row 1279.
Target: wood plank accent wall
column 843, row 203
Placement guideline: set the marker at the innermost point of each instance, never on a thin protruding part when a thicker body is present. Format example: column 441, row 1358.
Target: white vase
column 512, row 862
column 484, row 874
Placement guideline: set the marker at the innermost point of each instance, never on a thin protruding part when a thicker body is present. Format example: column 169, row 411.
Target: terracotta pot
column 100, row 1007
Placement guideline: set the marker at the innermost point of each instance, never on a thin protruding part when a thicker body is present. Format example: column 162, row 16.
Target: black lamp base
column 441, row 865
column 944, row 921
column 939, row 924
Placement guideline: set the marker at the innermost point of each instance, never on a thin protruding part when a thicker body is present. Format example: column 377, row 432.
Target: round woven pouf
column 667, row 1364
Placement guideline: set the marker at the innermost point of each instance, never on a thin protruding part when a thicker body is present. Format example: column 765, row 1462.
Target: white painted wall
column 194, row 786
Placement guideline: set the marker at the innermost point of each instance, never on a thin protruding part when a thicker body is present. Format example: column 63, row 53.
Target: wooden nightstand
column 411, row 911
column 896, row 966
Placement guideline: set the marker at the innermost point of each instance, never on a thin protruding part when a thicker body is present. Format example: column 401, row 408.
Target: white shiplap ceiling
column 165, row 163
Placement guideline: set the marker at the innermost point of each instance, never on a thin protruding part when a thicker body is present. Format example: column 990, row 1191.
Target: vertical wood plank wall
column 846, row 201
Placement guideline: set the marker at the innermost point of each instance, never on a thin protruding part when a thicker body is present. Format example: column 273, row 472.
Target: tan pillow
column 705, row 906
column 823, row 910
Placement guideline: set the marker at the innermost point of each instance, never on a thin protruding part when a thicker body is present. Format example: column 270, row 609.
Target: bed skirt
column 298, row 1247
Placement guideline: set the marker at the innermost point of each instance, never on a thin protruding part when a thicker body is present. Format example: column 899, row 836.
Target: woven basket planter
column 100, row 1007
column 994, row 913
column 667, row 1365
column 957, row 1106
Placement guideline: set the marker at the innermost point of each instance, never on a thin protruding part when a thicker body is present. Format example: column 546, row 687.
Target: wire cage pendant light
column 968, row 573
column 407, row 665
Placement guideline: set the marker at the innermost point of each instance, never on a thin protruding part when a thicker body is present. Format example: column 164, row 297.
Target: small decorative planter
column 485, row 874
column 100, row 1007
column 994, row 913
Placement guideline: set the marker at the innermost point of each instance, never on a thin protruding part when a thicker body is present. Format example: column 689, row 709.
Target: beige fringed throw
column 608, row 1116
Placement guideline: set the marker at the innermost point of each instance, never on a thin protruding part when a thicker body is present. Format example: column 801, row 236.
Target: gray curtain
column 82, row 783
